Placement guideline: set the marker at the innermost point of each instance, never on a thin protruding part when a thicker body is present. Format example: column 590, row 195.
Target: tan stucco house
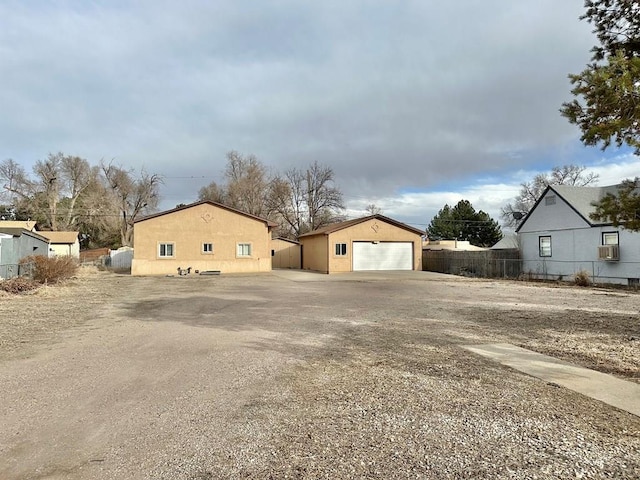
column 285, row 253
column 369, row 243
column 62, row 244
column 203, row 236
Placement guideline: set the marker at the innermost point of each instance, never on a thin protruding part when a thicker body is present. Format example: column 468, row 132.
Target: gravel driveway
column 302, row 375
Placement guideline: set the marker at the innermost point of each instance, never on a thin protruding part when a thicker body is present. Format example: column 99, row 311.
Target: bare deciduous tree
column 16, row 182
column 212, row 192
column 247, row 183
column 286, row 203
column 99, row 219
column 78, row 177
column 134, row 196
column 52, row 195
column 324, row 200
column 373, row 209
column 305, row 200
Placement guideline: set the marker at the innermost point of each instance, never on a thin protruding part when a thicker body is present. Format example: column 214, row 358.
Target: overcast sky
column 414, row 104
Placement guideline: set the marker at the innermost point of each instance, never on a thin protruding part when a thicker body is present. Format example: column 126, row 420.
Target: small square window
column 243, row 250
column 545, row 246
column 550, row 200
column 341, row 249
column 165, row 250
column 207, row 248
column 610, row 238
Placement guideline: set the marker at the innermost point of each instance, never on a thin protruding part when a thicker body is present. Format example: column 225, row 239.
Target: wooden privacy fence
column 93, row 255
column 483, row 263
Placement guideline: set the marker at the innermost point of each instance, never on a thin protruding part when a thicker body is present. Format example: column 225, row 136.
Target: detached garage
column 369, row 243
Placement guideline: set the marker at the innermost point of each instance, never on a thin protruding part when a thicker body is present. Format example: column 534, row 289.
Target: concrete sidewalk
column 606, row 388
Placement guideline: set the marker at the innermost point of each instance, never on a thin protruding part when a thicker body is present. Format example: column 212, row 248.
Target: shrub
column 18, row 285
column 582, row 278
column 50, row 270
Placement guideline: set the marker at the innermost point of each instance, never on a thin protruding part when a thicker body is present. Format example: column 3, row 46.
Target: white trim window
column 166, row 250
column 341, row 250
column 207, row 248
column 544, row 246
column 610, row 238
column 243, row 250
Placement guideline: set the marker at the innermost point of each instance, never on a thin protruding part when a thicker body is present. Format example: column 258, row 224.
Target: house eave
column 268, row 223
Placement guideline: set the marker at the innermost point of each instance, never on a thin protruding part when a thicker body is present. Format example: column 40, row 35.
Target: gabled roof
column 16, row 232
column 26, row 224
column 61, row 237
column 580, row 199
column 215, row 204
column 334, row 227
column 508, row 242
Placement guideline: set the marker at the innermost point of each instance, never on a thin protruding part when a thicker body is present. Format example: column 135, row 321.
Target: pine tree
column 462, row 222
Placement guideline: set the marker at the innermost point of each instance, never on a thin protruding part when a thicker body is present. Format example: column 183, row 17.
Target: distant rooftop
column 26, row 224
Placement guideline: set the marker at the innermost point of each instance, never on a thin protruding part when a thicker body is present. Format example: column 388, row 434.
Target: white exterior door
column 382, row 256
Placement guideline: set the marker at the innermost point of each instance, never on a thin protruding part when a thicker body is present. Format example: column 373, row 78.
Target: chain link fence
column 599, row 272
column 12, row 270
column 508, row 264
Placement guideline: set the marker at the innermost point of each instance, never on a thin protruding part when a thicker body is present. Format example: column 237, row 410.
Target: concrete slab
column 416, row 275
column 606, row 388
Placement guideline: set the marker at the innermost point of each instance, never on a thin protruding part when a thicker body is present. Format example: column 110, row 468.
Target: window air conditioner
column 608, row 252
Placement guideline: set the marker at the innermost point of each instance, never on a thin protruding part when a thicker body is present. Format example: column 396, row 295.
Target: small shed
column 285, row 253
column 16, row 244
column 63, row 244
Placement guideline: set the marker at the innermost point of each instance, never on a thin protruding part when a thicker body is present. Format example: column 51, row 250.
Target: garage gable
column 369, row 243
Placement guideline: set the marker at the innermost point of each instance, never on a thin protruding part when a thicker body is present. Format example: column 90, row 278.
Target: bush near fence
column 484, row 263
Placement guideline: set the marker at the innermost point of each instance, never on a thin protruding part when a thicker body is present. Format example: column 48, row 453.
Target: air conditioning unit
column 608, row 252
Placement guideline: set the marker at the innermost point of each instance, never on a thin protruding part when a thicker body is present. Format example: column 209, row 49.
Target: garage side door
column 382, row 256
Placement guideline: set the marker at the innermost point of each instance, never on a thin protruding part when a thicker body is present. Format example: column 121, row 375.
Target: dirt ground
column 302, row 375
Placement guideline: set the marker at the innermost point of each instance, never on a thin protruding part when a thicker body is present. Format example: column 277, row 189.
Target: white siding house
column 63, row 244
column 558, row 238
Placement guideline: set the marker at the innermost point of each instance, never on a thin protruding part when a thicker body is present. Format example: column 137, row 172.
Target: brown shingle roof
column 215, row 204
column 61, row 237
column 334, row 227
column 26, row 224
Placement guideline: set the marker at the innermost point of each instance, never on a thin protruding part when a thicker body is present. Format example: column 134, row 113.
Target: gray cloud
column 392, row 95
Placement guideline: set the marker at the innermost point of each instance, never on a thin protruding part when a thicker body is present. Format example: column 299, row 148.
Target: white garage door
column 382, row 256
